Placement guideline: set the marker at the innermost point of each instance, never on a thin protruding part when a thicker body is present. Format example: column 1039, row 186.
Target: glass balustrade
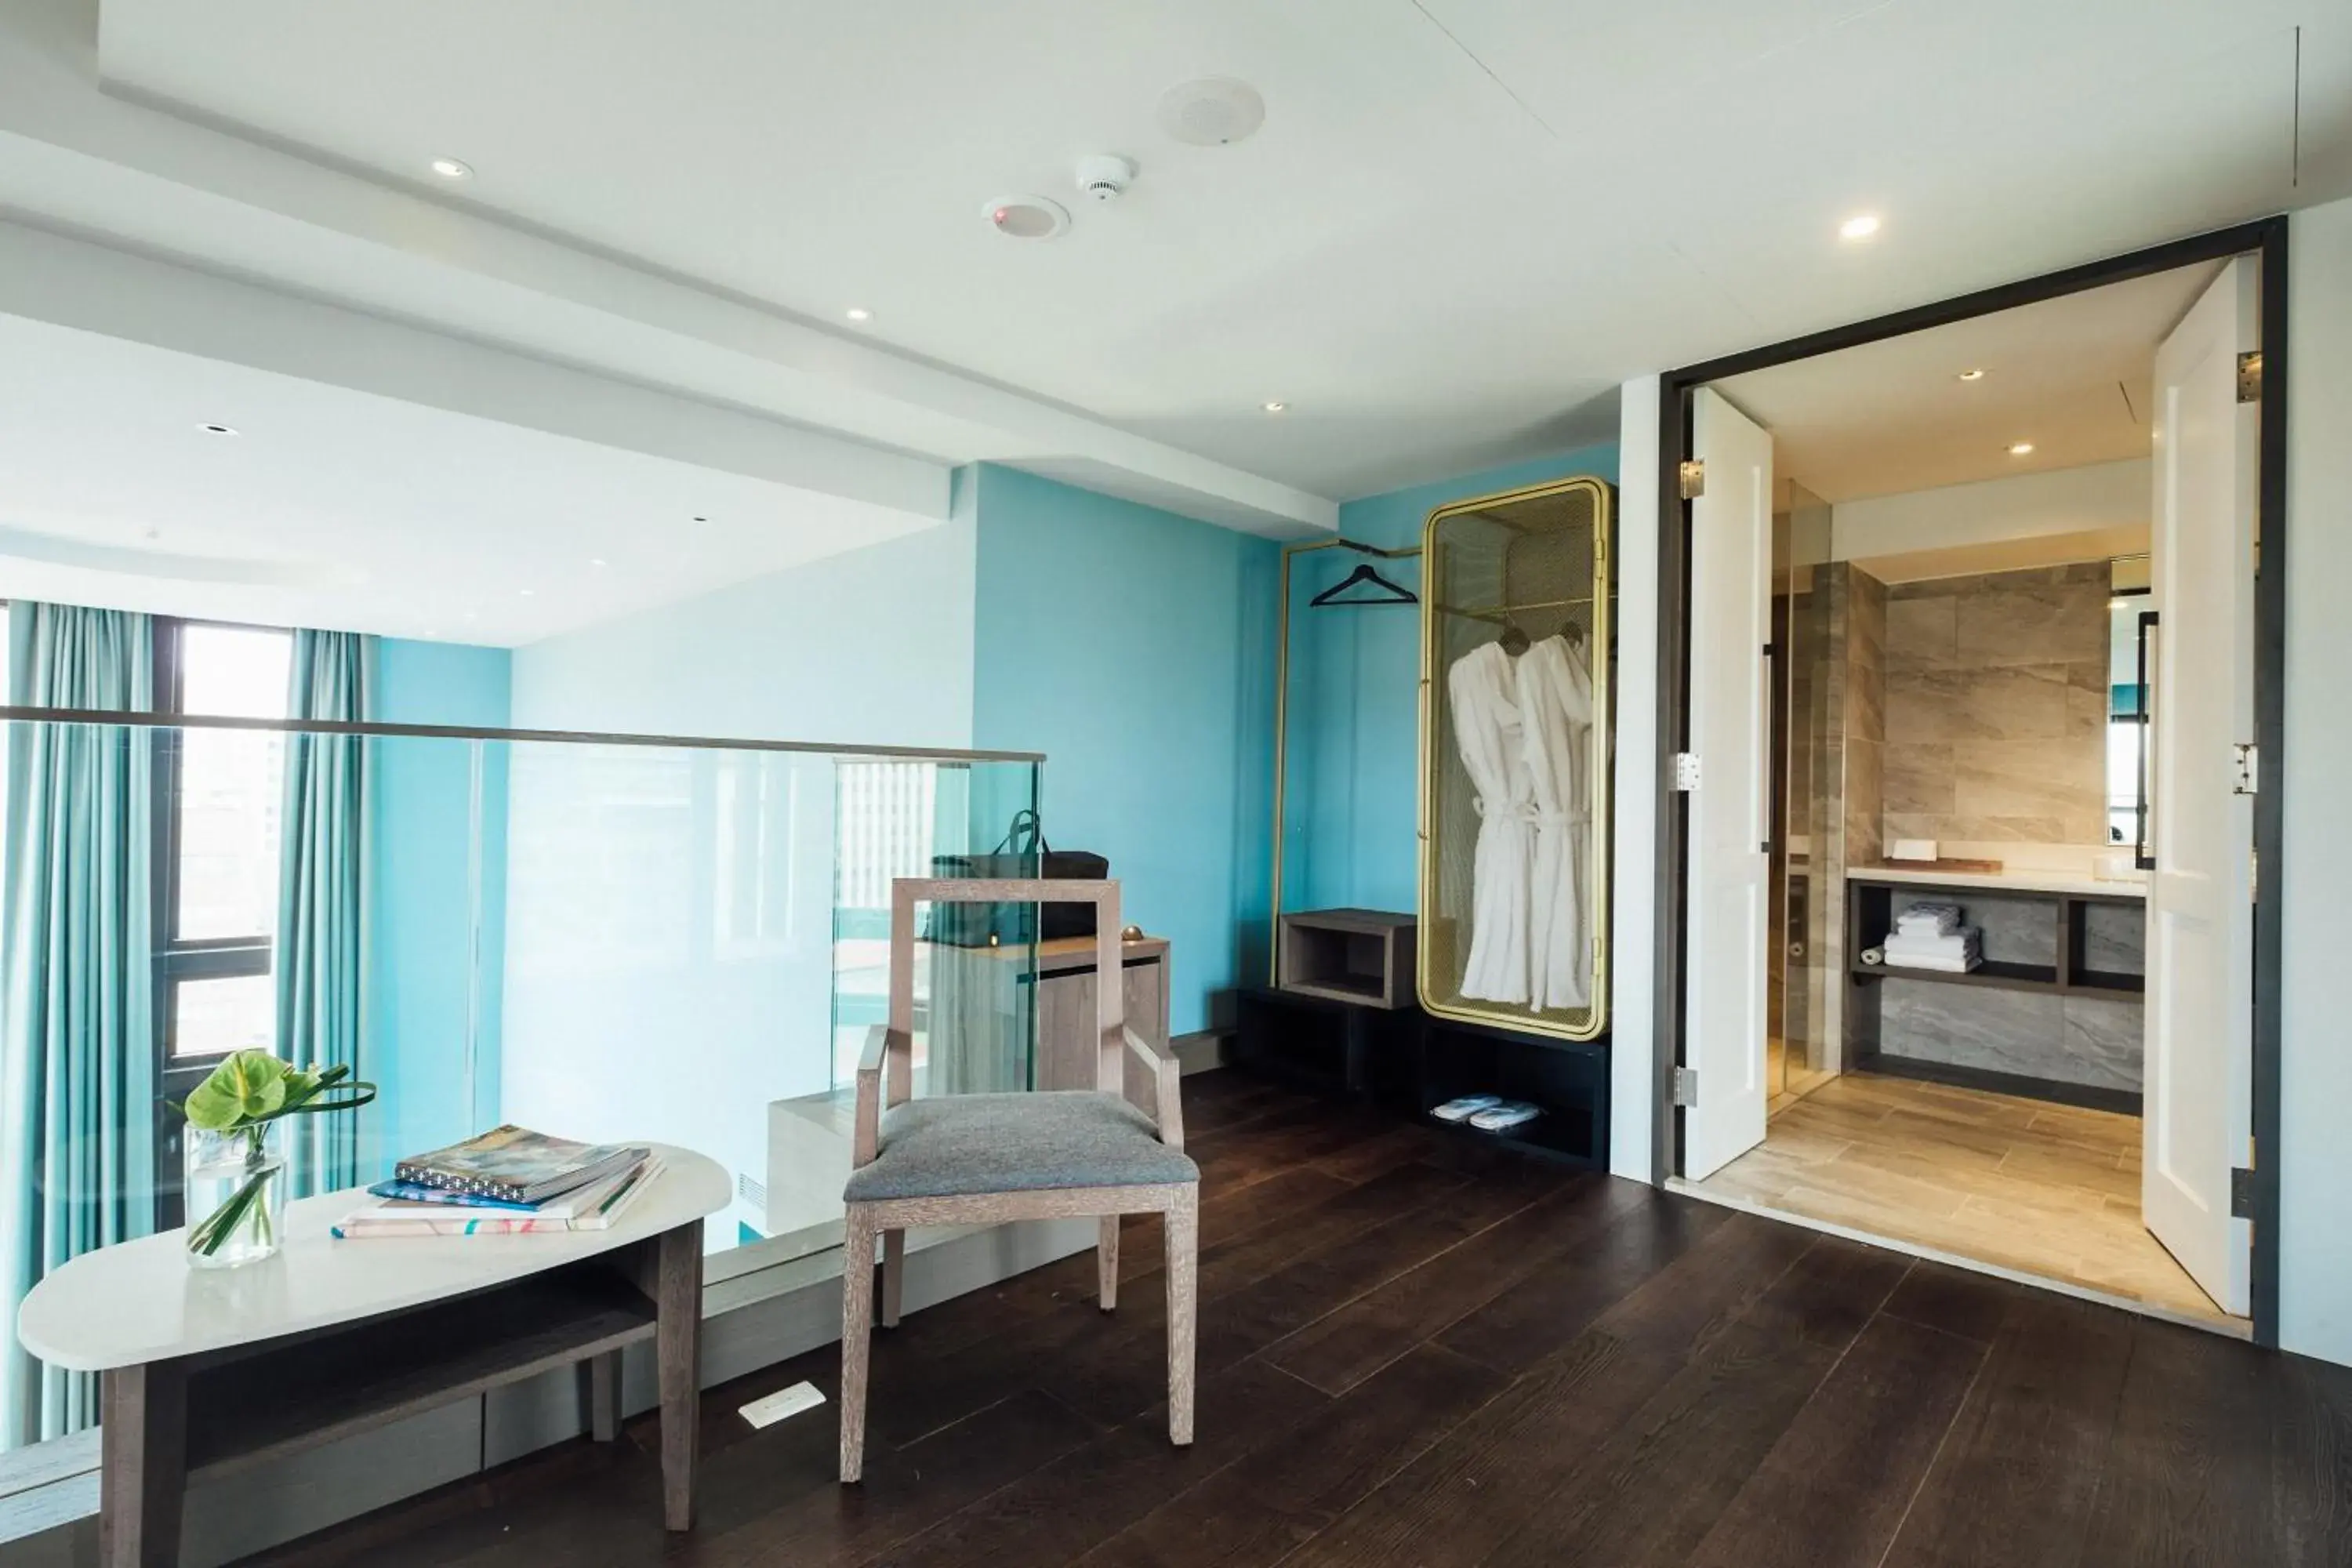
column 605, row 938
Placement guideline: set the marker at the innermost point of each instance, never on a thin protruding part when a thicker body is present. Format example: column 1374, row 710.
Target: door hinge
column 2242, row 1193
column 2249, row 377
column 2250, row 760
column 1692, row 481
column 1686, row 1086
column 1685, row 770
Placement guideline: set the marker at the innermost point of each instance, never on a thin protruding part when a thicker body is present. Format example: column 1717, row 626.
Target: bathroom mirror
column 1515, row 740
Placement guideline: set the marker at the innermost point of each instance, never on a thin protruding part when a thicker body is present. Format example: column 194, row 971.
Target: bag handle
column 1024, row 821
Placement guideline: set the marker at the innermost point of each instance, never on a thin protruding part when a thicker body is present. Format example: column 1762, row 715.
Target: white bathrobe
column 1555, row 703
column 1485, row 691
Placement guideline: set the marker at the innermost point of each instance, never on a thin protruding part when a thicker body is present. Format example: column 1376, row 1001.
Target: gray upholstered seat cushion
column 965, row 1143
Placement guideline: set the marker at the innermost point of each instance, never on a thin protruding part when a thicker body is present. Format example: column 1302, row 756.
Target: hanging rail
column 1282, row 724
column 1504, row 612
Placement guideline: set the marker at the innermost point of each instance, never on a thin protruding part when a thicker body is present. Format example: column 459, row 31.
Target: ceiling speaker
column 1210, row 112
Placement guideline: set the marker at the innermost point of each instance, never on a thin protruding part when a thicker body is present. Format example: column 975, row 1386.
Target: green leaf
column 302, row 1088
column 247, row 1085
column 351, row 1097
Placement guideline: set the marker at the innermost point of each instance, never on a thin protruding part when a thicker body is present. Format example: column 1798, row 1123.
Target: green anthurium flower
column 248, row 1086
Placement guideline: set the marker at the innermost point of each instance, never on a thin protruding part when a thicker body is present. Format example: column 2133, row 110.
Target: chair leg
column 1107, row 1263
column 1183, row 1221
column 894, row 1276
column 856, row 1335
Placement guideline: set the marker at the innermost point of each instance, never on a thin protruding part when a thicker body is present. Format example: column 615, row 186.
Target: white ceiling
column 336, row 508
column 1464, row 223
column 2070, row 376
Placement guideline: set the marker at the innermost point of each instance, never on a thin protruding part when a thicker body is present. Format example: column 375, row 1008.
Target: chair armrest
column 871, row 1066
column 1164, row 1074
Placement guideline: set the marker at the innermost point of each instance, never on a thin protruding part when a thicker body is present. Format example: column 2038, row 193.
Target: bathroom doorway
column 1963, row 968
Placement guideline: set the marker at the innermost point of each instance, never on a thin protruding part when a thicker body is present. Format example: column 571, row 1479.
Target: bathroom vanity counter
column 2052, row 1011
column 2076, row 884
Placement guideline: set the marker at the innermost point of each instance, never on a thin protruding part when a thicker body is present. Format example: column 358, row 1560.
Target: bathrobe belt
column 1536, row 815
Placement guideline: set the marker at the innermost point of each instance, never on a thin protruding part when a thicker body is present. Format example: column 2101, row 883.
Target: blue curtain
column 321, row 950
column 77, row 1045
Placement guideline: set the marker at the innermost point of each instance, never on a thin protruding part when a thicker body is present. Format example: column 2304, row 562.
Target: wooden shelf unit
column 253, row 1406
column 1871, row 909
column 1871, row 916
column 1359, row 956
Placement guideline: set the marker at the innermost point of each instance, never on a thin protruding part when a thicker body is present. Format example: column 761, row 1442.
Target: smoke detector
column 1026, row 217
column 1105, row 176
column 1210, row 112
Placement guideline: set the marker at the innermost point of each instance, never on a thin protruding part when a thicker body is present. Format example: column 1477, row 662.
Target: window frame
column 174, row 961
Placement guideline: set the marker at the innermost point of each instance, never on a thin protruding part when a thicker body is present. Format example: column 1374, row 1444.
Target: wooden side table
column 205, row 1371
column 978, row 1049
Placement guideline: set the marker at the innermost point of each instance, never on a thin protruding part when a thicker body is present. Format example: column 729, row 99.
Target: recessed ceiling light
column 1971, row 375
column 1274, row 406
column 218, row 429
column 527, row 593
column 452, row 168
column 2020, row 449
column 1026, row 217
column 1861, row 227
column 859, row 314
column 598, row 561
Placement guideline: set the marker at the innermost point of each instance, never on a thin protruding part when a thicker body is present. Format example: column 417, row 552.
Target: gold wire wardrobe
column 1516, row 746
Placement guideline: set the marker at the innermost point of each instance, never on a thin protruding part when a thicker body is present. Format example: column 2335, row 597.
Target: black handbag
column 1022, row 854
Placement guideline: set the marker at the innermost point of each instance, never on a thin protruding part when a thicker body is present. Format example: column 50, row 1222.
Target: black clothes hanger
column 1329, row 599
column 1514, row 640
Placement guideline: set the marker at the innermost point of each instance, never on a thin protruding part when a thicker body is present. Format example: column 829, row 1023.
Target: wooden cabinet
column 981, row 1005
column 1065, row 1011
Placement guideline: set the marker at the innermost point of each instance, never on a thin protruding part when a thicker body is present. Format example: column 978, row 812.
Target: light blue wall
column 871, row 647
column 1135, row 648
column 1355, row 677
column 424, row 915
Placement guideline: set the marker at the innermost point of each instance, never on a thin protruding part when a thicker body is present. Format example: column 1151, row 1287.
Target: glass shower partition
column 610, row 937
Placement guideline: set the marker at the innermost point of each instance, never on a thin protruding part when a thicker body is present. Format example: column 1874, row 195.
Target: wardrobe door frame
column 1600, row 760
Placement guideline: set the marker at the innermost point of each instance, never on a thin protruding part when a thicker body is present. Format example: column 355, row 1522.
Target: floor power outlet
column 771, row 1408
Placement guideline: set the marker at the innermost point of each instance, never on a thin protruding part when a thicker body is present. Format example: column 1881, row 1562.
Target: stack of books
column 509, row 1181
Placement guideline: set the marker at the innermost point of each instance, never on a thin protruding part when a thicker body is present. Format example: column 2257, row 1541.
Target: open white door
column 2201, row 922
column 1730, row 805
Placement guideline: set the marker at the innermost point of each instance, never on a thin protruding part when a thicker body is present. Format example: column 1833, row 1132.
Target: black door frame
column 2266, row 239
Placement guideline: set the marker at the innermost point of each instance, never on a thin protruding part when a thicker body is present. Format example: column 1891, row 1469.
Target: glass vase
column 235, row 1195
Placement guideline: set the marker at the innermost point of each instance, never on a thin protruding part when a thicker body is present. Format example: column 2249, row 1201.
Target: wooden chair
column 983, row 1159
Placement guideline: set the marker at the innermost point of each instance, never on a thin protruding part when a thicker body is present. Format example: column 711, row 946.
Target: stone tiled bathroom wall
column 1996, row 693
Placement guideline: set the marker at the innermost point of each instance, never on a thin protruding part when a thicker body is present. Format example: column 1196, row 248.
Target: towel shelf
column 2056, row 1014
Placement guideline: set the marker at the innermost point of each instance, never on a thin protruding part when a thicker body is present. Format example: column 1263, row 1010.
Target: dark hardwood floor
column 1422, row 1352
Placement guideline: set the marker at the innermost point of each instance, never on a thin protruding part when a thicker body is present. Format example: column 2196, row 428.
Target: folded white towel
column 1938, row 962
column 1940, row 919
column 1966, row 942
column 1930, row 936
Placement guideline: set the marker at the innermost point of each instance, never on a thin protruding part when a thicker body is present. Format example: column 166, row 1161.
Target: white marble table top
column 139, row 1301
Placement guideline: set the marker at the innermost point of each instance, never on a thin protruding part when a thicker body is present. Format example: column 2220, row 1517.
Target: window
column 220, row 796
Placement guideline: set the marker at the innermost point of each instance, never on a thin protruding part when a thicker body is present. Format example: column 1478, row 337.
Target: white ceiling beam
column 75, row 158
column 72, row 283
